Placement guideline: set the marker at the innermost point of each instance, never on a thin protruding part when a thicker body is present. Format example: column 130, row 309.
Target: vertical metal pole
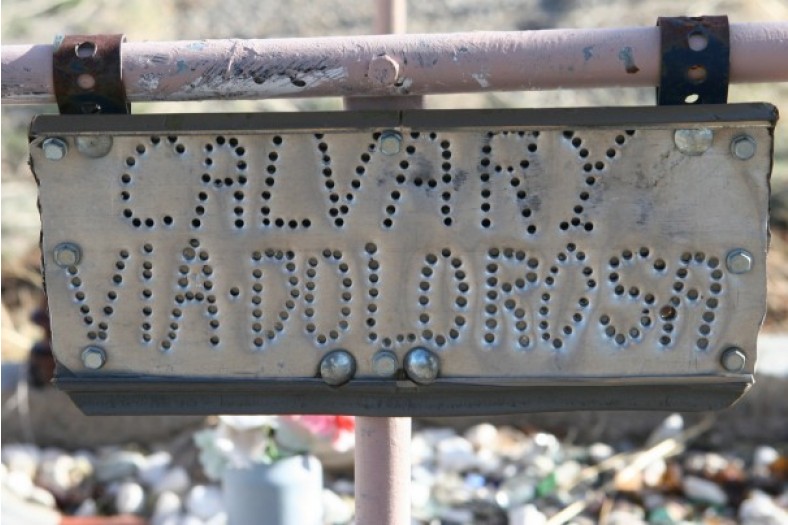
column 391, row 17
column 383, row 470
column 382, row 462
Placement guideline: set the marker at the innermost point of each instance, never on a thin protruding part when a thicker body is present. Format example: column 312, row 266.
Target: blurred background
column 729, row 469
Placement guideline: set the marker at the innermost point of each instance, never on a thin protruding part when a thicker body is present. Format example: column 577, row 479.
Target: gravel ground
column 486, row 475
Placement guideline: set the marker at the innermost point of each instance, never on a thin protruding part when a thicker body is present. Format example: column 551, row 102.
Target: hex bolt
column 66, row 254
column 733, row 359
column 743, row 147
column 739, row 261
column 54, row 148
column 385, row 363
column 94, row 146
column 390, row 142
column 93, row 357
column 422, row 366
column 693, row 142
column 337, row 367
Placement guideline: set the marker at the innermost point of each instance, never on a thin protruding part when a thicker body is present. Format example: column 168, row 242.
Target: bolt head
column 693, row 141
column 733, row 359
column 94, row 146
column 54, row 148
column 337, row 367
column 93, row 357
column 385, row 363
column 739, row 261
column 422, row 366
column 743, row 147
column 390, row 142
column 66, row 254
column 383, row 70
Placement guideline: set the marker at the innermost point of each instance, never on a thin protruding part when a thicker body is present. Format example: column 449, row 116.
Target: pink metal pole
column 382, row 470
column 391, row 17
column 382, row 462
column 389, row 65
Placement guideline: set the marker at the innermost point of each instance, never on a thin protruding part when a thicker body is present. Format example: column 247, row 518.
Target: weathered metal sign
column 405, row 263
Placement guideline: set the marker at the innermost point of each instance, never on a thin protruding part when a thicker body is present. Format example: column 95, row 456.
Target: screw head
column 66, row 254
column 733, row 359
column 93, row 357
column 390, row 142
column 94, row 146
column 54, row 148
column 385, row 363
column 743, row 147
column 422, row 366
column 337, row 367
column 739, row 261
column 693, row 141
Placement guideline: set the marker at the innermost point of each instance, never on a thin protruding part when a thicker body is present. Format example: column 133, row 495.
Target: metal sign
column 406, row 263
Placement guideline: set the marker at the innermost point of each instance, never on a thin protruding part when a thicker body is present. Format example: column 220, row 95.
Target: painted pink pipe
column 382, row 470
column 382, row 461
column 388, row 65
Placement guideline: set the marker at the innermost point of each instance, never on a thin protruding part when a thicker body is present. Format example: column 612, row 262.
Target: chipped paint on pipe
column 428, row 64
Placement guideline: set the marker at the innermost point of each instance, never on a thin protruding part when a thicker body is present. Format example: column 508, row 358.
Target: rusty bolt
column 383, row 70
column 93, row 357
column 54, row 148
column 743, row 147
column 733, row 359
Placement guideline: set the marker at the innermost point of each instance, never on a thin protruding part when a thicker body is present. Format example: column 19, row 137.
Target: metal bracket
column 87, row 72
column 695, row 60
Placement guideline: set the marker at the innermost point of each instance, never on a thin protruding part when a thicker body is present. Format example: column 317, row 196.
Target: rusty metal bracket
column 87, row 71
column 695, row 60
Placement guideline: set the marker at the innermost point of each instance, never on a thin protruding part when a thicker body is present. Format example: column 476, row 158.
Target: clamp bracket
column 87, row 75
column 695, row 60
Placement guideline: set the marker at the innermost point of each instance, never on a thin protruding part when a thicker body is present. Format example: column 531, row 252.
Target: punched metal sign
column 406, row 263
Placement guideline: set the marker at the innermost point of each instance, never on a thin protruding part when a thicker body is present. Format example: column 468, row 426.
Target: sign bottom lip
column 201, row 396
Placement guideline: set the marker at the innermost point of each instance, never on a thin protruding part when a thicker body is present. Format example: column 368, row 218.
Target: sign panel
column 405, row 263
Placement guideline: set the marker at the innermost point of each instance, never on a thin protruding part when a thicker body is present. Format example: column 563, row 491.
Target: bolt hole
column 86, row 81
column 85, row 49
column 696, row 74
column 697, row 41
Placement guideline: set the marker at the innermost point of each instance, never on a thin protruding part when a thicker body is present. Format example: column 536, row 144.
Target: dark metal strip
column 384, row 398
column 695, row 60
column 87, row 75
column 560, row 118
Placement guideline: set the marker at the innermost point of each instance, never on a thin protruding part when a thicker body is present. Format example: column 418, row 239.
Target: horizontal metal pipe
column 388, row 65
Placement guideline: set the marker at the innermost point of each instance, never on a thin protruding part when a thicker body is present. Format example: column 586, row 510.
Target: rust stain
column 625, row 55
